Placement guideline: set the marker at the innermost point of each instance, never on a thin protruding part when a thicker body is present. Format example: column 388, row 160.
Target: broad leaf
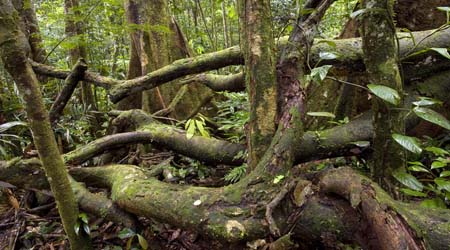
column 387, row 94
column 438, row 164
column 426, row 101
column 357, row 13
column 410, row 143
column 416, row 168
column 445, row 174
column 442, row 51
column 76, row 227
column 327, row 56
column 433, row 203
column 408, row 180
column 318, row 74
column 8, row 125
column 437, row 151
column 443, row 184
column 86, row 229
column 411, row 192
column 143, row 242
column 432, row 116
column 361, row 144
column 321, row 114
column 190, row 129
column 443, row 8
column 126, row 233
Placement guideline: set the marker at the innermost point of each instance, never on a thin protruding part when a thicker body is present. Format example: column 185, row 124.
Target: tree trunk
column 258, row 46
column 14, row 48
column 380, row 52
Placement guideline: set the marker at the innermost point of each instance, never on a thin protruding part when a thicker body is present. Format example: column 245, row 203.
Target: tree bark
column 380, row 57
column 14, row 48
column 258, row 47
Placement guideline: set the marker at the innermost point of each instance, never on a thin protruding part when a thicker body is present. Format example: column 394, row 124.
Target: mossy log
column 344, row 208
column 29, row 174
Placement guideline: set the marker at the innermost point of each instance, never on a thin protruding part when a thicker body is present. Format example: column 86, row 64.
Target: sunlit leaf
column 443, row 8
column 357, row 13
column 318, row 74
column 84, row 218
column 86, row 229
column 126, row 233
column 142, row 242
column 437, row 151
column 426, row 101
column 443, row 184
column 442, row 51
column 361, row 144
column 445, row 174
column 327, row 56
column 411, row 192
column 416, row 168
column 433, row 203
column 8, row 125
column 278, row 178
column 408, row 180
column 432, row 116
column 321, row 114
column 410, row 143
column 76, row 227
column 387, row 94
column 438, row 164
column 191, row 129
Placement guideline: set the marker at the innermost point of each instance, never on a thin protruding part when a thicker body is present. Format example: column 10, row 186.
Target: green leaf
column 361, row 144
column 438, row 164
column 129, row 242
column 410, row 143
column 443, row 8
column 445, row 174
column 416, row 168
column 321, row 114
column 387, row 94
column 190, row 129
column 8, row 125
column 437, row 151
column 426, row 101
column 202, row 129
column 278, row 178
column 143, row 242
column 411, row 192
column 442, row 51
column 126, row 233
column 443, row 184
column 433, row 203
column 318, row 74
column 83, row 217
column 357, row 13
column 408, row 180
column 76, row 227
column 416, row 163
column 327, row 56
column 432, row 116
column 86, row 229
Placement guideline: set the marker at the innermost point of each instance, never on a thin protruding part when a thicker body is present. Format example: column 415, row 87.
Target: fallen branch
column 69, row 87
column 28, row 174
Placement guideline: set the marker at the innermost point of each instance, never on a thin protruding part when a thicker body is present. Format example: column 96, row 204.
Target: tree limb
column 69, row 87
column 349, row 59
